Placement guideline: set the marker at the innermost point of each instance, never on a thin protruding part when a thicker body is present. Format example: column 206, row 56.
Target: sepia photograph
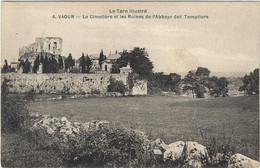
column 130, row 84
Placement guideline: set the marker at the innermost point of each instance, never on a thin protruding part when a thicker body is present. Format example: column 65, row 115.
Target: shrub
column 83, row 93
column 130, row 80
column 95, row 91
column 154, row 90
column 113, row 146
column 116, row 86
column 14, row 112
column 31, row 95
column 220, row 150
column 41, row 92
column 200, row 92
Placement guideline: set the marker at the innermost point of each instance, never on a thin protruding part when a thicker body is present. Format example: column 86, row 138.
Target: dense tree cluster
column 25, row 65
column 158, row 82
column 7, row 68
column 69, row 63
column 218, row 86
column 199, row 82
column 139, row 61
column 85, row 63
column 49, row 64
column 251, row 83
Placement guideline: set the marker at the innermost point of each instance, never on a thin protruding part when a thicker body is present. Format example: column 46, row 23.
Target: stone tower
column 52, row 45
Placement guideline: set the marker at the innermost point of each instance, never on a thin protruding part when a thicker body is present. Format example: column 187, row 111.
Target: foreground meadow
column 169, row 117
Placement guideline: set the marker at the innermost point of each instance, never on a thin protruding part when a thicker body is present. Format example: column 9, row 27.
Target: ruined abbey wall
column 51, row 45
column 66, row 83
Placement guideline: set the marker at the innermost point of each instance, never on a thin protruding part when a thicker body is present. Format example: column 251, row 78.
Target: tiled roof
column 94, row 56
column 113, row 56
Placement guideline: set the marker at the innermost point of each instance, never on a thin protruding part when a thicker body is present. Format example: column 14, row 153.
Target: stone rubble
column 193, row 154
column 174, row 152
column 188, row 154
column 241, row 161
column 66, row 128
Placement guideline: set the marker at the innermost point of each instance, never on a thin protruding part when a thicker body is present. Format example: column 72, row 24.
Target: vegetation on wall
column 116, row 86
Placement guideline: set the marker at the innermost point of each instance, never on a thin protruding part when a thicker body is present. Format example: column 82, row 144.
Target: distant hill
column 219, row 74
column 228, row 74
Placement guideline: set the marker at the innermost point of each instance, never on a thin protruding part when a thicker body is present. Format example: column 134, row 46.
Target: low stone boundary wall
column 67, row 83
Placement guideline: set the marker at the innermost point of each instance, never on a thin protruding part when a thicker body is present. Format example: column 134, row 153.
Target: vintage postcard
column 130, row 84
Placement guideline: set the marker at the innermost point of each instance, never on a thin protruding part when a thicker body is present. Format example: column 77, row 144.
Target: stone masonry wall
column 60, row 83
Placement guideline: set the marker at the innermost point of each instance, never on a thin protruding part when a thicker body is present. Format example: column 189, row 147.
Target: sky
column 228, row 41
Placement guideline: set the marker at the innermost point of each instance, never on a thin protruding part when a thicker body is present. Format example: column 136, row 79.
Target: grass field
column 171, row 118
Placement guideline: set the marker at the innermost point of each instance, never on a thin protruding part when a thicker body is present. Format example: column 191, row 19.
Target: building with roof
column 14, row 65
column 109, row 61
column 95, row 67
column 106, row 66
column 126, row 70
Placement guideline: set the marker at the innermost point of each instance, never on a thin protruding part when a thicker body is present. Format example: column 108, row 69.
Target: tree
column 45, row 65
column 66, row 64
column 88, row 63
column 54, row 65
column 158, row 82
column 83, row 63
column 21, row 64
column 174, row 82
column 69, row 62
column 223, row 85
column 116, row 86
column 5, row 67
column 139, row 61
column 27, row 66
column 60, row 60
column 41, row 59
column 218, row 86
column 115, row 68
column 101, row 59
column 251, row 83
column 197, row 81
column 36, row 64
column 190, row 82
column 202, row 72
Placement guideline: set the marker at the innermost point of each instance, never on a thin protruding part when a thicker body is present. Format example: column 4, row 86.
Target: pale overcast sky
column 226, row 42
